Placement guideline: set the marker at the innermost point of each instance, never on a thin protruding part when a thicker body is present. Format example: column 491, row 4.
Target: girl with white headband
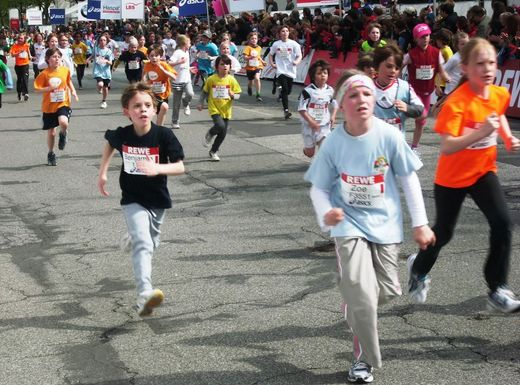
column 355, row 196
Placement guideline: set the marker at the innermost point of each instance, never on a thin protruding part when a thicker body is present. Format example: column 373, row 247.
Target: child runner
column 395, row 98
column 79, row 52
column 374, row 39
column 284, row 56
column 22, row 55
column 443, row 41
column 207, row 51
column 5, row 73
column 56, row 85
column 37, row 52
column 150, row 153
column 254, row 64
column 142, row 45
column 157, row 74
column 315, row 103
column 134, row 61
column 365, row 64
column 220, row 90
column 224, row 49
column 424, row 62
column 67, row 53
column 452, row 66
column 102, row 58
column 355, row 196
column 468, row 123
column 180, row 61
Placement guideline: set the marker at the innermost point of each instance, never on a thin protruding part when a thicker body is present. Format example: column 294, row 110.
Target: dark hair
column 383, row 53
column 447, row 8
column 323, row 64
column 50, row 52
column 133, row 89
column 222, row 59
column 158, row 49
column 444, row 35
column 365, row 60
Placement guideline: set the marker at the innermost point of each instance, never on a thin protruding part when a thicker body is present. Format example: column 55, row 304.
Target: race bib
column 317, row 111
column 488, row 141
column 424, row 73
column 363, row 191
column 283, row 52
column 100, row 60
column 78, row 51
column 221, row 92
column 132, row 155
column 23, row 55
column 158, row 87
column 203, row 55
column 396, row 122
column 254, row 62
column 133, row 65
column 57, row 96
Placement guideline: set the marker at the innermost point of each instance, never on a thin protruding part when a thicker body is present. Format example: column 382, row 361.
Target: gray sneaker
column 146, row 303
column 418, row 286
column 360, row 373
column 503, row 300
column 208, row 139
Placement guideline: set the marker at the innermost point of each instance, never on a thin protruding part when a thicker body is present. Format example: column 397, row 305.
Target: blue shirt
column 102, row 70
column 203, row 53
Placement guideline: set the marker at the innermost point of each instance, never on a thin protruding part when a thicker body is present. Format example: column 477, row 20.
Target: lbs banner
column 57, row 16
column 132, row 9
column 192, row 7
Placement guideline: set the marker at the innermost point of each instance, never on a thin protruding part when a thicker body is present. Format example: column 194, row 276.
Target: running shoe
column 360, row 373
column 103, row 105
column 287, row 114
column 25, row 97
column 19, row 97
column 51, row 159
column 146, row 303
column 259, row 98
column 214, row 157
column 249, row 91
column 176, row 126
column 208, row 139
column 418, row 286
column 62, row 141
column 503, row 300
column 187, row 110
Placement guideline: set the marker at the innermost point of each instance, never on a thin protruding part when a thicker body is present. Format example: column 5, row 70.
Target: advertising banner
column 236, row 6
column 316, row 3
column 508, row 75
column 192, row 7
column 57, row 16
column 110, row 9
column 132, row 9
column 34, row 16
column 94, row 9
column 14, row 24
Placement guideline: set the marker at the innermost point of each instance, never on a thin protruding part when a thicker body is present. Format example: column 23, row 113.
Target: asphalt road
column 249, row 298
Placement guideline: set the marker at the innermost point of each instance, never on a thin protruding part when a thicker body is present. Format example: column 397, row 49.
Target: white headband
column 355, row 81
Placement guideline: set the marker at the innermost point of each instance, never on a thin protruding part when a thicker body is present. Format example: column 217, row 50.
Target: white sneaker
column 360, row 373
column 187, row 110
column 214, row 156
column 418, row 287
column 146, row 303
column 503, row 300
column 208, row 139
column 176, row 126
column 103, row 105
column 125, row 244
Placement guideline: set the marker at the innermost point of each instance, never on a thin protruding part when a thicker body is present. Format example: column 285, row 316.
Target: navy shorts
column 159, row 103
column 251, row 73
column 50, row 119
column 106, row 82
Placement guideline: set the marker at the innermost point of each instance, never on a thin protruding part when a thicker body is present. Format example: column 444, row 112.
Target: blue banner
column 94, row 9
column 57, row 16
column 192, row 7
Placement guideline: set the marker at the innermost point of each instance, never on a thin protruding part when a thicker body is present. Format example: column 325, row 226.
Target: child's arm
column 512, row 143
column 327, row 215
column 72, row 89
column 108, row 153
column 151, row 168
column 442, row 72
column 202, row 99
column 170, row 74
column 314, row 125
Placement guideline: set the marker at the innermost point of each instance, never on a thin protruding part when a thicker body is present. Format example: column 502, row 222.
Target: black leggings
column 286, row 83
column 489, row 197
column 80, row 72
column 22, row 79
column 220, row 126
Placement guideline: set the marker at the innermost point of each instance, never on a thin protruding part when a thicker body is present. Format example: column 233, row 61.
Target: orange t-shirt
column 58, row 97
column 159, row 81
column 21, row 53
column 256, row 62
column 462, row 112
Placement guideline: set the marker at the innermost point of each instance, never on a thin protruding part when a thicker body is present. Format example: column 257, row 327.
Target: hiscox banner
column 132, row 9
column 94, row 9
column 245, row 5
column 192, row 7
column 111, row 9
column 34, row 16
column 57, row 16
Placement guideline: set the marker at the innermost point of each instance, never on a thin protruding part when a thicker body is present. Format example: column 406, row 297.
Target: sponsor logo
column 132, row 5
column 94, row 9
column 55, row 16
column 182, row 3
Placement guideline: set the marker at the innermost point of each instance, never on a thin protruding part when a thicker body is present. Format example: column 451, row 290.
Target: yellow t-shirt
column 219, row 100
column 59, row 97
column 79, row 53
column 256, row 61
column 446, row 53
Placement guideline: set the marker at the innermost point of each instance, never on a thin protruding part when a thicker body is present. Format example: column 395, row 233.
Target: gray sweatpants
column 178, row 90
column 367, row 276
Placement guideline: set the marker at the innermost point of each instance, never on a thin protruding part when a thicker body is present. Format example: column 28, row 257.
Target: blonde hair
column 474, row 45
column 182, row 40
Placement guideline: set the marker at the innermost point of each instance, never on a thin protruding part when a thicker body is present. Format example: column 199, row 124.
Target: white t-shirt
column 285, row 53
column 360, row 173
column 452, row 68
column 169, row 45
column 183, row 70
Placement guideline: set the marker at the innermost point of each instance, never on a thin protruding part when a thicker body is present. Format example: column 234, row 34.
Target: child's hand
column 491, row 124
column 334, row 216
column 102, row 180
column 199, row 107
column 424, row 236
column 315, row 126
column 231, row 95
column 148, row 166
column 512, row 144
column 75, row 96
column 401, row 106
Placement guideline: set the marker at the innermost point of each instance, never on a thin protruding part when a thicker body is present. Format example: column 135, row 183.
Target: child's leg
column 105, row 92
column 384, row 258
column 144, row 230
column 100, row 86
column 176, row 104
column 51, row 139
column 188, row 94
column 258, row 85
column 360, row 291
column 64, row 123
column 308, row 151
column 420, row 122
column 219, row 129
column 162, row 113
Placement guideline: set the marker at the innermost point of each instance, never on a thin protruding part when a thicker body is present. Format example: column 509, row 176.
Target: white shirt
column 452, row 68
column 170, row 45
column 183, row 70
column 285, row 53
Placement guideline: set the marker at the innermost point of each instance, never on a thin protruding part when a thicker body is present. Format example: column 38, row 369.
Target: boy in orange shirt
column 22, row 56
column 157, row 74
column 56, row 85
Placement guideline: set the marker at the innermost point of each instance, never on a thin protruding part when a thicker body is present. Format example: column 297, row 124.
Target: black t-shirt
column 127, row 57
column 160, row 145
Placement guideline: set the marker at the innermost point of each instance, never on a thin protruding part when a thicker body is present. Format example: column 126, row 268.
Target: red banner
column 14, row 24
column 508, row 75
